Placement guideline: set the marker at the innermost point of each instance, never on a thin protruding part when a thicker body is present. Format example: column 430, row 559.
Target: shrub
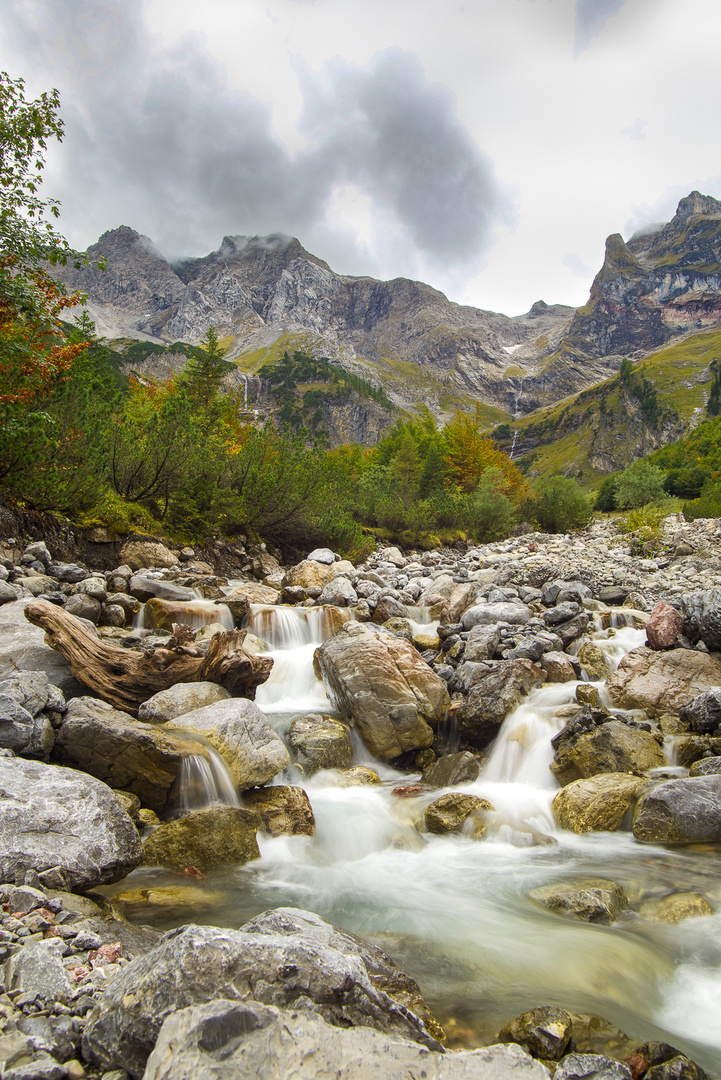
column 640, row 484
column 557, row 504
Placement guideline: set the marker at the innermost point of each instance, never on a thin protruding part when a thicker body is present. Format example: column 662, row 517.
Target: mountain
column 267, row 294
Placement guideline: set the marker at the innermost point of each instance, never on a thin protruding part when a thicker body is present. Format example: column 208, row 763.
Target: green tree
column 558, row 504
column 639, row 485
column 204, row 372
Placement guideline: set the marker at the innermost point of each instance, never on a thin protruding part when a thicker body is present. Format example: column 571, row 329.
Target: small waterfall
column 513, row 445
column 293, row 686
column 193, row 613
column 281, row 627
column 203, row 781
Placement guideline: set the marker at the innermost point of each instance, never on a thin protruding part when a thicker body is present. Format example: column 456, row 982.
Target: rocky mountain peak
column 696, row 203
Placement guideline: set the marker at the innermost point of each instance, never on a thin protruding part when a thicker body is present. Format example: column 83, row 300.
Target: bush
column 606, row 494
column 642, row 483
column 557, row 504
column 489, row 514
column 707, row 505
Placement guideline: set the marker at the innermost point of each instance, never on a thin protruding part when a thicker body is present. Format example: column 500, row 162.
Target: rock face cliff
column 269, row 293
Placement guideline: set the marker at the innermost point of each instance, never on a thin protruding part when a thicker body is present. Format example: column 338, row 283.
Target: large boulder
column 283, row 810
column 591, row 899
column 662, row 682
column 449, row 813
column 515, row 613
column 144, row 588
column 249, row 592
column 599, row 803
column 320, row 742
column 23, row 733
column 684, row 811
column 309, row 574
column 114, row 747
column 613, row 747
column 664, row 626
column 482, row 643
column 215, row 836
column 703, row 713
column 194, row 964
column 544, row 1032
column 497, row 688
column 231, row 1040
column 23, row 648
column 180, row 699
column 701, row 613
column 392, row 695
column 243, row 737
column 55, row 819
column 450, row 769
column 138, row 554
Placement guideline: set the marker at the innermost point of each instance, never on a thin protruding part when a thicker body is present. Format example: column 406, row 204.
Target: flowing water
column 455, row 911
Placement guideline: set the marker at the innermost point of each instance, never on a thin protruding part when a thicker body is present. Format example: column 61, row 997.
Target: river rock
column 212, row 837
column 591, row 1067
column 309, row 574
column 544, row 1032
column 70, row 573
column 703, row 713
column 243, row 1041
column 196, row 963
column 491, row 614
column 482, row 643
column 664, row 626
column 180, row 699
column 168, row 901
column 594, row 661
column 675, row 908
column 322, row 555
column 23, row 733
column 388, row 608
column 358, row 776
column 592, row 899
column 663, row 681
column 139, row 554
column 463, row 597
column 701, row 613
column 492, row 696
column 559, row 667
column 38, row 970
column 249, row 592
column 688, row 749
column 705, row 767
column 243, row 737
column 144, row 588
column 613, row 747
column 451, row 769
column 599, row 803
column 283, row 810
column 51, row 817
column 683, row 811
column 22, row 647
column 320, row 742
column 339, row 592
column 114, row 747
column 448, row 813
column 394, row 698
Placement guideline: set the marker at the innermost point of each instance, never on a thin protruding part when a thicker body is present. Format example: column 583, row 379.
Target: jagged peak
column 619, row 259
column 124, row 237
column 274, row 242
column 696, row 203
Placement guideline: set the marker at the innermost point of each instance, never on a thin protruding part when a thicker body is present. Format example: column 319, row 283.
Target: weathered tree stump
column 125, row 679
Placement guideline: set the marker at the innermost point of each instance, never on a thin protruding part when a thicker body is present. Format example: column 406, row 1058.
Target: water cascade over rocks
column 471, row 760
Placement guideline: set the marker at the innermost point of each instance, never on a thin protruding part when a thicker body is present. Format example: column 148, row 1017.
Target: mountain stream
column 454, row 911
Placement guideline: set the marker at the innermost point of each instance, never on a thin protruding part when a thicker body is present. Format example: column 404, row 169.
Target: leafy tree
column 638, row 485
column 558, row 504
column 606, row 494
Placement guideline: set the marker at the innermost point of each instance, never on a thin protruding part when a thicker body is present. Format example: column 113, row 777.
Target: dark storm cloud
column 155, row 138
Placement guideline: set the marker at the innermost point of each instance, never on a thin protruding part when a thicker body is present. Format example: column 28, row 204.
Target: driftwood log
column 125, row 678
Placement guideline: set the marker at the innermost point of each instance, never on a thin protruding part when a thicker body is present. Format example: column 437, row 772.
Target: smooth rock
column 613, row 747
column 180, row 699
column 662, row 682
column 139, row 554
column 594, row 661
column 339, row 592
column 394, row 698
column 448, row 813
column 664, row 626
column 684, row 811
column 450, row 769
column 591, row 899
column 599, row 803
column 544, row 1032
column 322, row 555
column 591, row 1067
column 309, row 574
column 22, row 647
column 320, row 742
column 123, row 752
column 213, row 837
column 240, row 732
column 144, row 588
column 492, row 614
column 53, row 817
column 676, row 908
column 283, row 810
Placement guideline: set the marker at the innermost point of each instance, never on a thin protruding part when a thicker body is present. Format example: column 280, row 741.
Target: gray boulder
column 240, row 732
column 138, row 554
column 591, row 1067
column 38, row 970
column 394, row 698
column 114, row 747
column 52, row 817
column 492, row 696
column 322, row 555
column 22, row 647
column 451, row 769
column 339, row 592
column 84, row 607
column 23, row 733
column 684, row 811
column 9, row 593
column 229, row 1040
column 662, row 682
column 143, row 588
column 196, row 963
column 482, row 643
column 702, row 617
column 516, row 614
column 180, row 699
column 613, row 747
column 33, row 691
column 70, row 573
column 703, row 714
column 594, row 899
column 320, row 742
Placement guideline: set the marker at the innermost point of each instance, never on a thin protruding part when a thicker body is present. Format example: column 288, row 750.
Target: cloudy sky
column 485, row 146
